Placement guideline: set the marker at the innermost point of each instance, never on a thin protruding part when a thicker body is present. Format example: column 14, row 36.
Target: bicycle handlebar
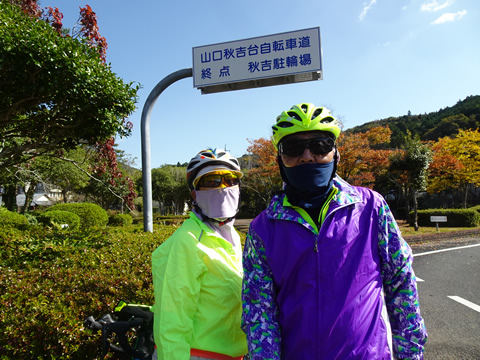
column 108, row 325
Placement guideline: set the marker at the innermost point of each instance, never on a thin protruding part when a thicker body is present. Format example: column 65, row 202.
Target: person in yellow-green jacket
column 197, row 272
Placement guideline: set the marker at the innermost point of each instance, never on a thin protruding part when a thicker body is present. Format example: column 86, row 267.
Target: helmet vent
column 317, row 112
column 304, row 108
column 327, row 120
column 192, row 164
column 284, row 124
column 220, row 154
column 294, row 115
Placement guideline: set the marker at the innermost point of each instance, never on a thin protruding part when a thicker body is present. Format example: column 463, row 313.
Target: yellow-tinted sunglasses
column 216, row 180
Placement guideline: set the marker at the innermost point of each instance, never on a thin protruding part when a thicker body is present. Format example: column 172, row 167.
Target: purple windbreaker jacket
column 325, row 294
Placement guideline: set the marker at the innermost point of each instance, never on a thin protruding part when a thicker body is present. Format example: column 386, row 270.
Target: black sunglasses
column 296, row 147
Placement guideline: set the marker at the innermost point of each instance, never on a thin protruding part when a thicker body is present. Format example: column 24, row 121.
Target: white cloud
column 433, row 5
column 366, row 9
column 449, row 17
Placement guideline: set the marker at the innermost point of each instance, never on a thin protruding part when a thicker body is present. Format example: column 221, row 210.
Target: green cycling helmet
column 304, row 117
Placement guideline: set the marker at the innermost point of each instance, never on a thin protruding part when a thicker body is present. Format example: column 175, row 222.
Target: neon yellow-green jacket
column 197, row 279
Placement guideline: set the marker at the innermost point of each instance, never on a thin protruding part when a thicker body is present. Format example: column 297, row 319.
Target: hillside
column 465, row 114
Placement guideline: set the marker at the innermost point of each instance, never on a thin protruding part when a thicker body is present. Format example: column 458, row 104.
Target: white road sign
column 287, row 57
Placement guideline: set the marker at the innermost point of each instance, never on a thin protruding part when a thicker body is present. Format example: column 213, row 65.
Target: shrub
column 13, row 219
column 51, row 281
column 59, row 218
column 120, row 220
column 476, row 208
column 455, row 217
column 90, row 214
column 32, row 219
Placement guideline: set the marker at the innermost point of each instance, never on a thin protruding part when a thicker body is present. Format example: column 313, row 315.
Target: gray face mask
column 218, row 204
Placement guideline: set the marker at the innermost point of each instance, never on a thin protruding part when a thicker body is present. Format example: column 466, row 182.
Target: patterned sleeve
column 259, row 318
column 401, row 296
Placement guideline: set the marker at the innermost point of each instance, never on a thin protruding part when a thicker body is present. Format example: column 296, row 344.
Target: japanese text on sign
column 269, row 56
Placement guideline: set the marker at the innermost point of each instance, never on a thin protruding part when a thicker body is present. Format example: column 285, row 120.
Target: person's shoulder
column 187, row 233
column 360, row 192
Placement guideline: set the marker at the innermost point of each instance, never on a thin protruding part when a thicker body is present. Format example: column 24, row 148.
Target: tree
column 67, row 170
column 262, row 177
column 170, row 189
column 443, row 170
column 108, row 183
column 457, row 163
column 363, row 157
column 55, row 91
column 411, row 170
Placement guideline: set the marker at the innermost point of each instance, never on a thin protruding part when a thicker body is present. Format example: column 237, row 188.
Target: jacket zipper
column 322, row 215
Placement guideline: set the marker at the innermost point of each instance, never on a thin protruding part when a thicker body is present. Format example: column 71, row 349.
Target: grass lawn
column 425, row 230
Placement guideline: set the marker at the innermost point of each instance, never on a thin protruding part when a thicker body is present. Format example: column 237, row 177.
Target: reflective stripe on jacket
column 320, row 294
column 197, row 277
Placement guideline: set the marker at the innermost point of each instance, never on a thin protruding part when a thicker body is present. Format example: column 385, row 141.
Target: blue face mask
column 310, row 183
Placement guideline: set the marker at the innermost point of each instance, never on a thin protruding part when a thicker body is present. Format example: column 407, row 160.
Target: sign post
column 437, row 219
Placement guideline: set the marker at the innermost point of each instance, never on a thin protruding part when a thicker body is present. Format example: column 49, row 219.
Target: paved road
column 449, row 279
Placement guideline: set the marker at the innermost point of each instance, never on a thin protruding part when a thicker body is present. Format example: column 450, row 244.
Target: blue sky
column 381, row 58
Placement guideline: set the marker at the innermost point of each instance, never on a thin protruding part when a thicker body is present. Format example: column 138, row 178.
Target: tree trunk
column 9, row 197
column 465, row 196
column 415, row 210
column 28, row 198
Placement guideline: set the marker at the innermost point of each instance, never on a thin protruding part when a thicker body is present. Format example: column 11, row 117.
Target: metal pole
column 145, row 128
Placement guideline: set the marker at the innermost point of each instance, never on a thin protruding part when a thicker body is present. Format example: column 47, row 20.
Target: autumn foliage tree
column 363, row 157
column 56, row 90
column 456, row 163
column 262, row 174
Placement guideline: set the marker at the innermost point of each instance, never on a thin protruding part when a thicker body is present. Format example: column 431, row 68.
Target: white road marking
column 442, row 250
column 466, row 303
column 419, row 280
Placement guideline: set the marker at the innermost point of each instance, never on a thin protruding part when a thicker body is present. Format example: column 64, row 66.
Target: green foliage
column 32, row 219
column 476, row 208
column 455, row 217
column 170, row 189
column 55, row 91
column 120, row 220
column 91, row 215
column 59, row 218
column 10, row 218
column 465, row 114
column 51, row 281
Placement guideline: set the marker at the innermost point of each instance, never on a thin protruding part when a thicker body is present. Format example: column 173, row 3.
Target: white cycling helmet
column 211, row 160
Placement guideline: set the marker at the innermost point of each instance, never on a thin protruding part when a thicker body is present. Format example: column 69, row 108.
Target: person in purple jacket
column 327, row 274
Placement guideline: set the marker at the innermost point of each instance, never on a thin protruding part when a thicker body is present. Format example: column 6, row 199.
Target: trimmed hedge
column 52, row 280
column 17, row 220
column 59, row 218
column 455, row 217
column 476, row 208
column 120, row 220
column 91, row 215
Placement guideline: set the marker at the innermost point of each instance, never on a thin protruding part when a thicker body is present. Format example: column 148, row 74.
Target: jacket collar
column 346, row 195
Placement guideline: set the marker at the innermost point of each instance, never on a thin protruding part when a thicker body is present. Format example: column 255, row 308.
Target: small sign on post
column 437, row 219
column 256, row 62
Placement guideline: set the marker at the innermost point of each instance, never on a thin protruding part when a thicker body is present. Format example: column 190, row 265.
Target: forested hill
column 465, row 114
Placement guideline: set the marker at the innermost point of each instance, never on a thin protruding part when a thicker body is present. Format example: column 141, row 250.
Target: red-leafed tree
column 362, row 156
column 262, row 177
column 56, row 90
